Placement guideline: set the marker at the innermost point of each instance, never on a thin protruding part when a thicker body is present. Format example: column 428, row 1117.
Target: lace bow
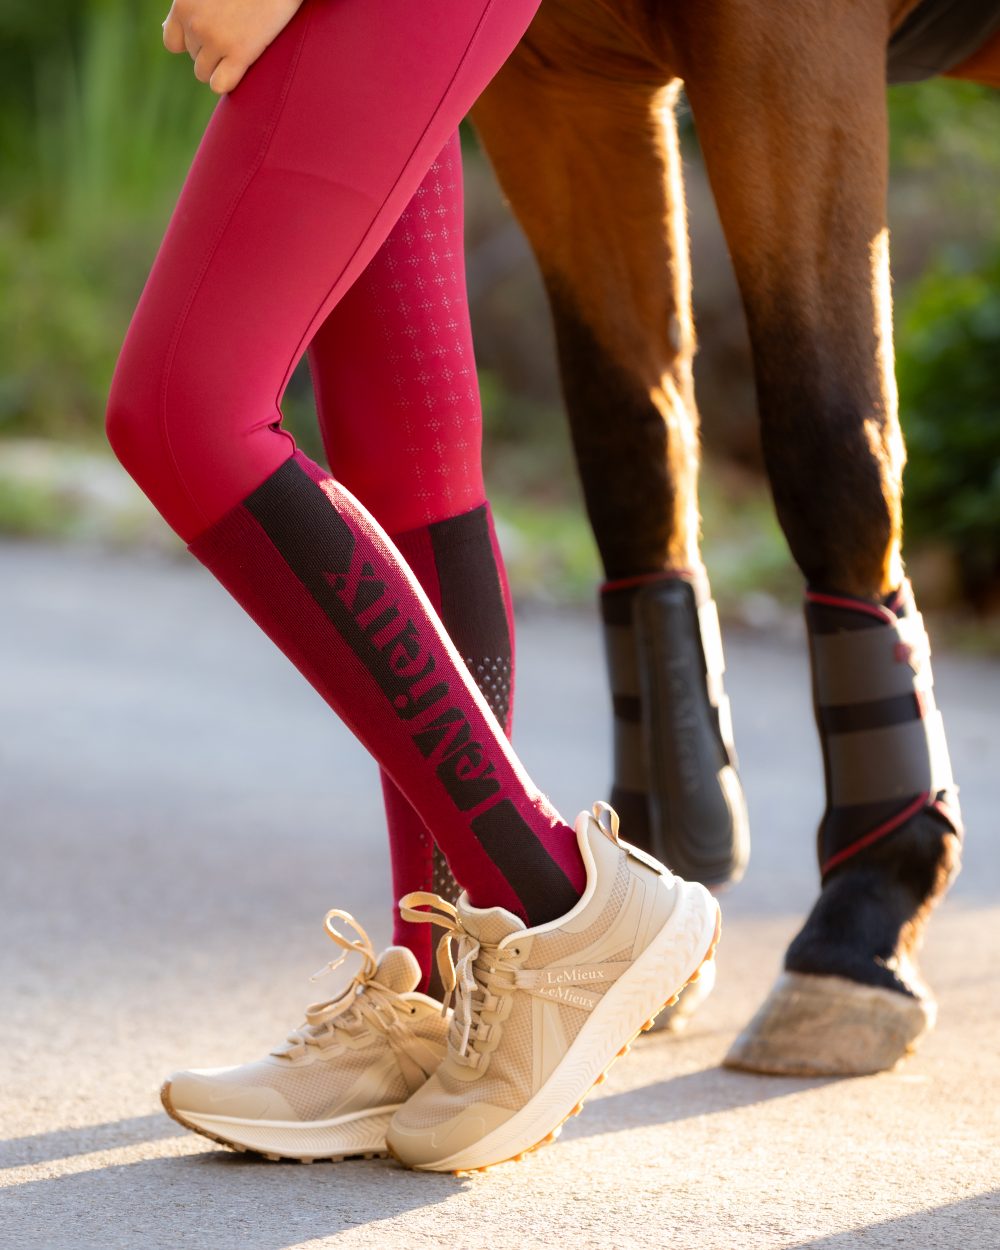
column 476, row 968
column 364, row 999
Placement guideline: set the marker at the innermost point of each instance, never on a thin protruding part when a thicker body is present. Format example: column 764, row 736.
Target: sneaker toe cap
column 426, row 1135
column 209, row 1092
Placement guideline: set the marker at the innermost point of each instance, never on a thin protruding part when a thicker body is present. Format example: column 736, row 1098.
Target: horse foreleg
column 791, row 116
column 592, row 171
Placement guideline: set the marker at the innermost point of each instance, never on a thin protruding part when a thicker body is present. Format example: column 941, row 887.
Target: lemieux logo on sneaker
column 563, row 976
column 566, row 994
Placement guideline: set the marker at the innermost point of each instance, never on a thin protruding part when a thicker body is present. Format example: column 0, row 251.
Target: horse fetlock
column 851, row 1000
column 869, row 920
column 676, row 783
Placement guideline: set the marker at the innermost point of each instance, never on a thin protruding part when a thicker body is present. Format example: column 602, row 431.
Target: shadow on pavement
column 221, row 1200
column 707, row 1092
column 970, row 1224
column 64, row 1143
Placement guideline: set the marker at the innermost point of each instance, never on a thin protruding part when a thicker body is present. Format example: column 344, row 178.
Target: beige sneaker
column 542, row 1013
column 328, row 1092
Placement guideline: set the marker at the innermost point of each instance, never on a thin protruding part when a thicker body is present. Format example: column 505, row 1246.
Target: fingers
column 183, row 31
column 205, row 63
column 192, row 42
column 226, row 75
column 178, row 36
column 173, row 33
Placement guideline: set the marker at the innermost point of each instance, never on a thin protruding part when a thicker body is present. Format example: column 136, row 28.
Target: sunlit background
column 178, row 809
column 98, row 126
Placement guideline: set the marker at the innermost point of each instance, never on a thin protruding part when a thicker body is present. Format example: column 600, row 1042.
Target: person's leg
column 398, row 349
column 304, row 171
column 302, row 174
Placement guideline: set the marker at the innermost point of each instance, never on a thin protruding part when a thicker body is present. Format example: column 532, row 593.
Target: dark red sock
column 459, row 565
column 398, row 348
column 322, row 579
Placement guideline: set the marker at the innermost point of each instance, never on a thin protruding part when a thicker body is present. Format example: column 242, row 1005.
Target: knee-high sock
column 398, row 347
column 316, row 572
column 459, row 565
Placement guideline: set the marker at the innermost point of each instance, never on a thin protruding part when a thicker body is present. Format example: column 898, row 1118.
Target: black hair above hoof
column 869, row 919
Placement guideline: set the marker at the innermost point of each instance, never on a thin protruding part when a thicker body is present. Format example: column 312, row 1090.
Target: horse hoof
column 828, row 1026
column 676, row 1018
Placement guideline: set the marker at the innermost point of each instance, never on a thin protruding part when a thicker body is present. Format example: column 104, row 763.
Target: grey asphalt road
column 178, row 810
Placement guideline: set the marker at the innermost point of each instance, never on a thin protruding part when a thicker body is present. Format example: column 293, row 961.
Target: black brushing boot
column 851, row 999
column 676, row 787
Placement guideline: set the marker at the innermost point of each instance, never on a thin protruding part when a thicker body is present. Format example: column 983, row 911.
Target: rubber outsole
column 601, row 1077
column 675, row 1019
column 274, row 1156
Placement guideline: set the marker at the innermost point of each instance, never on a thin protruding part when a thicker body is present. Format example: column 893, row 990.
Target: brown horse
column 789, row 103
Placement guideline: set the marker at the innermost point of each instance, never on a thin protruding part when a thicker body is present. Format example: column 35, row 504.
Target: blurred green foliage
column 30, row 35
column 97, row 128
column 949, row 375
column 944, row 121
column 96, row 142
column 948, row 334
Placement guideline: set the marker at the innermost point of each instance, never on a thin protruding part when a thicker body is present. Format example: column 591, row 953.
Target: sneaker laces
column 364, row 1001
column 477, row 976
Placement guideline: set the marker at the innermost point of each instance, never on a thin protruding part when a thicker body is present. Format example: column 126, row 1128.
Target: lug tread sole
column 274, row 1156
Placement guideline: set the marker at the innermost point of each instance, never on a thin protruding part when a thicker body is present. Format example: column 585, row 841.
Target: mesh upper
column 490, row 926
column 333, row 1082
column 315, row 1091
column 398, row 969
column 506, row 1084
column 508, row 1079
column 554, row 947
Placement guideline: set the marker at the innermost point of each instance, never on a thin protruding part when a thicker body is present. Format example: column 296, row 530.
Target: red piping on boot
column 880, row 831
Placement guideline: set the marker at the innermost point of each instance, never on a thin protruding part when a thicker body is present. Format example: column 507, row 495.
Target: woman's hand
column 225, row 37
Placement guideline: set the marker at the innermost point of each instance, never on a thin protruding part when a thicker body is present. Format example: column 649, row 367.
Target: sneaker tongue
column 398, row 970
column 490, row 925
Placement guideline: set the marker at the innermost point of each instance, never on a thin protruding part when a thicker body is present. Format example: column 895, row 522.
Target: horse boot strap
column 675, row 773
column 885, row 754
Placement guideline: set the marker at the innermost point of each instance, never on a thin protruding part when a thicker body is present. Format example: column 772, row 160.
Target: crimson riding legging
column 301, row 175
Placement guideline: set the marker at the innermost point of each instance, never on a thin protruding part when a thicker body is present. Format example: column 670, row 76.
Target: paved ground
column 177, row 811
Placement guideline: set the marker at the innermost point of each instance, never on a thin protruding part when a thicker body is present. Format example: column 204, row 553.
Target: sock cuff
column 470, row 592
column 464, row 525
